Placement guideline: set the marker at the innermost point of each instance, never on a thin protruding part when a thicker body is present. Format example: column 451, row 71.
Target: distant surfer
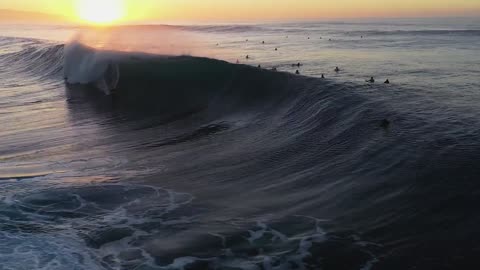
column 387, row 82
column 337, row 69
column 298, row 64
column 385, row 124
column 372, row 80
column 247, row 57
column 297, row 72
column 259, row 66
column 274, row 69
column 323, row 76
column 276, row 49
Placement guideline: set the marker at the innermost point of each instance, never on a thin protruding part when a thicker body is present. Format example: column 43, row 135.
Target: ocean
column 166, row 147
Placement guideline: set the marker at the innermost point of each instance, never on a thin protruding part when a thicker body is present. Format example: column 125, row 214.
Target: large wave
column 265, row 143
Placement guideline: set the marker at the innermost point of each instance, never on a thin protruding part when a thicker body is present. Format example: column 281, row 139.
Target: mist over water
column 148, row 147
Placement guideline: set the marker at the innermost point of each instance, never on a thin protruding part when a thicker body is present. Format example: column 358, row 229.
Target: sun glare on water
column 100, row 11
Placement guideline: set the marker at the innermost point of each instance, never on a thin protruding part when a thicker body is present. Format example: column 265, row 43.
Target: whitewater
column 166, row 147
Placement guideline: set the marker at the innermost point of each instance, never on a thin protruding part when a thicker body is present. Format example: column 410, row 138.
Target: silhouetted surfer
column 337, row 69
column 247, row 57
column 385, row 124
column 387, row 82
column 372, row 80
column 323, row 76
column 297, row 72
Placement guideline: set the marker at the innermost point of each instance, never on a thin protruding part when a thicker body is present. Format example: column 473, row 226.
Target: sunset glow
column 100, row 11
column 125, row 11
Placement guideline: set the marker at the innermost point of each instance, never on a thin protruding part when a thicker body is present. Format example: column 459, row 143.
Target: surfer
column 385, row 124
column 372, row 80
column 276, row 49
column 247, row 57
column 323, row 76
column 337, row 69
column 297, row 72
column 387, row 82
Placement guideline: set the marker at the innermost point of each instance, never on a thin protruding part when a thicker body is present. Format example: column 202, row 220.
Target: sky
column 251, row 10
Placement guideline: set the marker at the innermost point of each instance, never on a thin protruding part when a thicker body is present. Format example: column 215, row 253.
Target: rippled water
column 196, row 163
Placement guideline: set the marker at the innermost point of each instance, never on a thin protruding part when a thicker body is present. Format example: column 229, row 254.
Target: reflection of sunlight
column 100, row 11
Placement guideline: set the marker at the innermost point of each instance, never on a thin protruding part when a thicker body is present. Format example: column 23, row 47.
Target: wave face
column 117, row 160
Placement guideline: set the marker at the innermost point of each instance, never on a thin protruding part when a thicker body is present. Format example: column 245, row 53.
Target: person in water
column 385, row 124
column 387, row 82
column 247, row 57
column 337, row 69
column 372, row 80
column 323, row 76
column 297, row 72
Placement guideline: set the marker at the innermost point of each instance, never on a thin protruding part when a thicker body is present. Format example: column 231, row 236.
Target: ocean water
column 150, row 147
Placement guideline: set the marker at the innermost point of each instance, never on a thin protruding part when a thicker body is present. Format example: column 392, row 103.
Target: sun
column 100, row 11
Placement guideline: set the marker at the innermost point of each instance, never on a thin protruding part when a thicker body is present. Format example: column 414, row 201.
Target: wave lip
column 84, row 65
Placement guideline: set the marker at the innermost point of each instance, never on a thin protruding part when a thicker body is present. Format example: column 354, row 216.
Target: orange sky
column 248, row 10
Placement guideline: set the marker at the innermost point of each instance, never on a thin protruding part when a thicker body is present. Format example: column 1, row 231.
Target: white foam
column 84, row 65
